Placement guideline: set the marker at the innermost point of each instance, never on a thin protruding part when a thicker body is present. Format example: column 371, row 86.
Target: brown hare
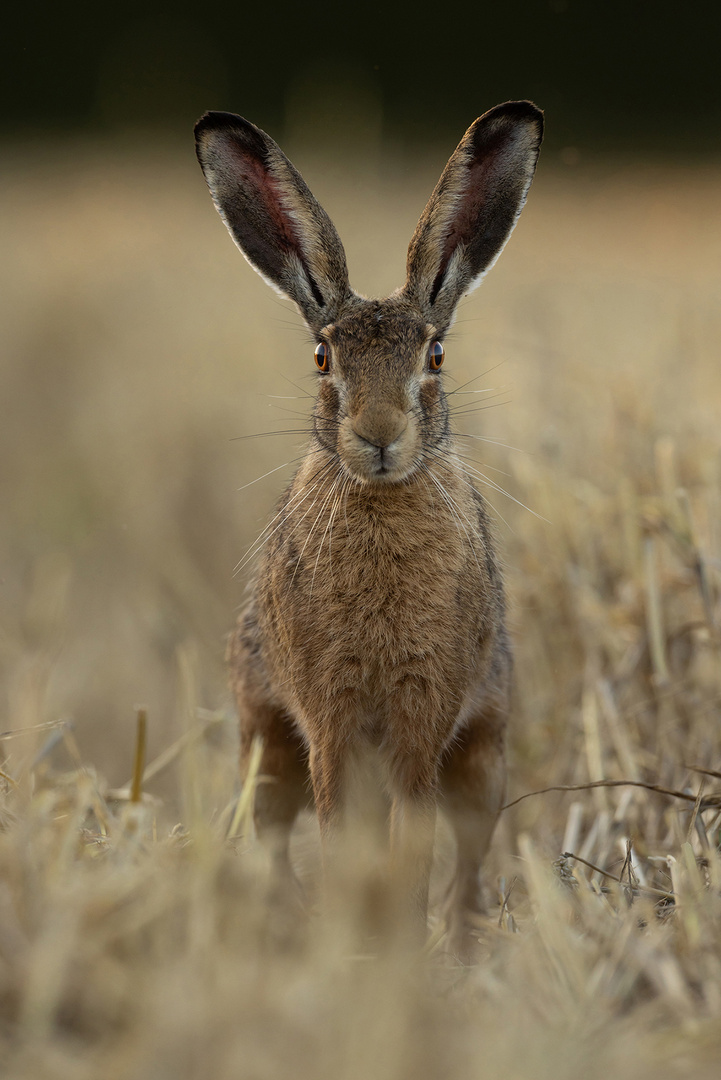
column 377, row 611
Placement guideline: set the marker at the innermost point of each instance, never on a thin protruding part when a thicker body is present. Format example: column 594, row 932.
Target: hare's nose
column 380, row 425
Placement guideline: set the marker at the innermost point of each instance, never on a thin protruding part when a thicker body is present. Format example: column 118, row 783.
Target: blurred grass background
column 138, row 351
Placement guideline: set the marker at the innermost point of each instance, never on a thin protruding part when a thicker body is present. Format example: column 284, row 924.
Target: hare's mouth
column 374, row 464
column 387, row 467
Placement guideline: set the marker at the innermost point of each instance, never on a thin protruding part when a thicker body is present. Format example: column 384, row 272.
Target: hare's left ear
column 284, row 233
column 473, row 209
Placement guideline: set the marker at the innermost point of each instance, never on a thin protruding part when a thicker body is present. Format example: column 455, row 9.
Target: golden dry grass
column 136, row 346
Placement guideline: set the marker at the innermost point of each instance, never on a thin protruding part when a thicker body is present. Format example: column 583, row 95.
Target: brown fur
column 377, row 617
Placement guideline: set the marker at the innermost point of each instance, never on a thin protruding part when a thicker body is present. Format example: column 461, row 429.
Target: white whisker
column 296, row 500
column 329, row 525
column 452, row 506
column 269, row 473
column 502, row 491
column 487, row 439
column 324, row 503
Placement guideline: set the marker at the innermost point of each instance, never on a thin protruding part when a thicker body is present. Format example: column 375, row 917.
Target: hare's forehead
column 379, row 333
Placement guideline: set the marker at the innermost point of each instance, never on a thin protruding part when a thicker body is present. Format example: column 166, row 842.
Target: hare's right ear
column 473, row 209
column 274, row 219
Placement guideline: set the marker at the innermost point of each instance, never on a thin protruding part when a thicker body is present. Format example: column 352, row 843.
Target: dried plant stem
column 244, row 807
column 8, row 779
column 708, row 802
column 654, row 620
column 136, row 790
column 613, row 877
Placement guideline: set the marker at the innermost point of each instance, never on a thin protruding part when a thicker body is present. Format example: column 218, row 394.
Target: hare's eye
column 322, row 356
column 436, row 355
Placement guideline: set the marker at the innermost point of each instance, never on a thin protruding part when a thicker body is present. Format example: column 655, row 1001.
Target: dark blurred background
column 619, row 75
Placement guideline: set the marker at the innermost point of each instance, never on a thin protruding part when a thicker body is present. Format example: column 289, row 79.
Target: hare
column 377, row 611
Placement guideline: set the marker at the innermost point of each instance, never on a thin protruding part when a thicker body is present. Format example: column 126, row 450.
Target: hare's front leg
column 282, row 786
column 413, row 780
column 282, row 790
column 352, row 815
column 342, row 845
column 328, row 766
column 412, row 833
column 473, row 781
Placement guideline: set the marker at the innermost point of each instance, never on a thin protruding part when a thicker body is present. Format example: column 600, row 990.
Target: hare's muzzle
column 376, row 444
column 380, row 426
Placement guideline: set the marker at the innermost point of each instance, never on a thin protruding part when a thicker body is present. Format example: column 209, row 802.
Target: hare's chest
column 360, row 601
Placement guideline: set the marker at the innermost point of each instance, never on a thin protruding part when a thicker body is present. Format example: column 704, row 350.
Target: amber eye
column 436, row 356
column 322, row 356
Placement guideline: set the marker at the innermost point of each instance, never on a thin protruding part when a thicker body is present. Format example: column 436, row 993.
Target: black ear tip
column 518, row 111
column 499, row 122
column 234, row 127
column 524, row 107
column 217, row 121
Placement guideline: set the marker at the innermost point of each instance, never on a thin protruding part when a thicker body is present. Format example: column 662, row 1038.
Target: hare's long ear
column 274, row 219
column 473, row 208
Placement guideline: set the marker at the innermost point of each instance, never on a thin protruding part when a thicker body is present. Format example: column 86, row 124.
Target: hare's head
column 381, row 407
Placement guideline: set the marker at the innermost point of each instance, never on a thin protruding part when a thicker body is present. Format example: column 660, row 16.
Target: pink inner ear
column 276, row 236
column 256, row 177
column 464, row 223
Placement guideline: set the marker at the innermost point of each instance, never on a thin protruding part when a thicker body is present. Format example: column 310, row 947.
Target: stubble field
column 138, row 352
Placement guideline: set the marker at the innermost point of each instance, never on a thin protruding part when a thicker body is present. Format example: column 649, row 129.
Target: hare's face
column 381, row 407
